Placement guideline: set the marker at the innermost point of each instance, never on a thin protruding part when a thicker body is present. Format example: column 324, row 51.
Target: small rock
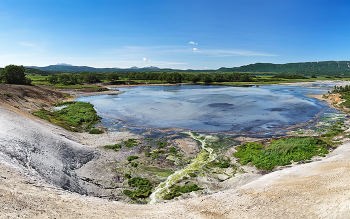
column 222, row 177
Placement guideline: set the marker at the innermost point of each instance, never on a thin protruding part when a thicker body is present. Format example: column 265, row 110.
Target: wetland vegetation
column 281, row 152
column 76, row 116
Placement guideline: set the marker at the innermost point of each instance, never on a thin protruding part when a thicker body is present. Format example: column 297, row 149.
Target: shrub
column 130, row 143
column 148, row 154
column 128, row 176
column 223, row 163
column 114, row 147
column 95, row 131
column 192, row 174
column 162, row 144
column 8, row 95
column 130, row 158
column 133, row 164
column 178, row 190
column 172, row 150
column 144, row 187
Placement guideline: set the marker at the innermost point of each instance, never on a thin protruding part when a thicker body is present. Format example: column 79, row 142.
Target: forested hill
column 327, row 67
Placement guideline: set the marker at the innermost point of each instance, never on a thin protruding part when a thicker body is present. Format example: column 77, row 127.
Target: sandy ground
column 316, row 190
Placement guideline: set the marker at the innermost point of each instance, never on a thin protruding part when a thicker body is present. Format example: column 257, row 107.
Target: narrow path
column 205, row 156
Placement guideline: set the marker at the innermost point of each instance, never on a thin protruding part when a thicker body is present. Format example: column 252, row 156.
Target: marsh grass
column 281, row 152
column 76, row 117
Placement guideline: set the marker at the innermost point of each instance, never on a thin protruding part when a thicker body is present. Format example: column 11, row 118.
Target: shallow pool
column 253, row 109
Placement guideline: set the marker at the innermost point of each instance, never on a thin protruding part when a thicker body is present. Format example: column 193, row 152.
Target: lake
column 249, row 110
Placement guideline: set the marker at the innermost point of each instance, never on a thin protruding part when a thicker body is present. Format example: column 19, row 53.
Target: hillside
column 69, row 68
column 327, row 67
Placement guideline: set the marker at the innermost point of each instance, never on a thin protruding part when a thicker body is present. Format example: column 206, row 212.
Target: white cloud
column 192, row 43
column 195, row 50
column 147, row 60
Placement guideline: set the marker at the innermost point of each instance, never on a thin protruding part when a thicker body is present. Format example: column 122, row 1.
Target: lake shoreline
column 236, row 131
column 299, row 191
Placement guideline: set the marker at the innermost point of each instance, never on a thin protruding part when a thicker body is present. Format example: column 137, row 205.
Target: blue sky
column 191, row 34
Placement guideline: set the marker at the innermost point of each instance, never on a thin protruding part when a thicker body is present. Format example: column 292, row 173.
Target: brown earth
column 27, row 97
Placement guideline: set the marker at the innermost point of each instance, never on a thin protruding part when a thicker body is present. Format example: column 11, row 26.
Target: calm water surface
column 211, row 108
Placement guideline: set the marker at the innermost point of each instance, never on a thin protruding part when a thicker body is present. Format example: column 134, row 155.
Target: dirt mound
column 28, row 97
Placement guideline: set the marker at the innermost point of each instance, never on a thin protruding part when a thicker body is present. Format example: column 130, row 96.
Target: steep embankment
column 37, row 148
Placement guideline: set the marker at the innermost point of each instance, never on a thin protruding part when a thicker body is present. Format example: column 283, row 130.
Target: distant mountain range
column 70, row 68
column 325, row 67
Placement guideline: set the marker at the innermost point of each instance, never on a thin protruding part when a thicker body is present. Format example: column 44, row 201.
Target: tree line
column 84, row 77
column 176, row 77
column 340, row 89
column 14, row 74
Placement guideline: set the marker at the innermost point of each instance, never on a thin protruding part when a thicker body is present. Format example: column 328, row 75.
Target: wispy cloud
column 32, row 46
column 225, row 53
column 195, row 50
column 26, row 44
column 192, row 43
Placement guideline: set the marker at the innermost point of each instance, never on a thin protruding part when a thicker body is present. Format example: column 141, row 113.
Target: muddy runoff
column 205, row 156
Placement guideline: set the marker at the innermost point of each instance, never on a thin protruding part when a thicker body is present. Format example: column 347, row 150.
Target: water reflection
column 212, row 108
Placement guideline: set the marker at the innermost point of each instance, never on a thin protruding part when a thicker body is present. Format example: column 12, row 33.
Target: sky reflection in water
column 211, row 108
